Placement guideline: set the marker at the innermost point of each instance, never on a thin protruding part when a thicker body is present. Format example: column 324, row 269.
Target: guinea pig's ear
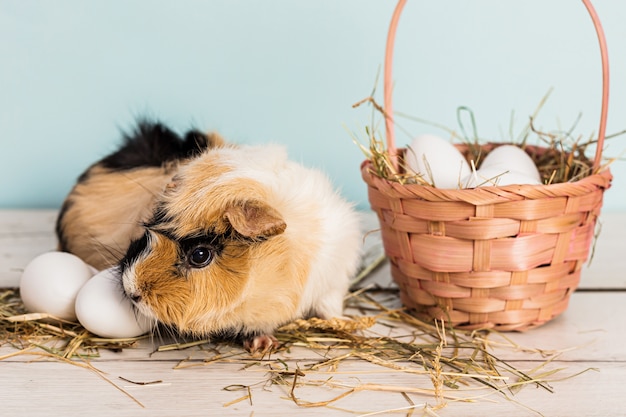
column 255, row 219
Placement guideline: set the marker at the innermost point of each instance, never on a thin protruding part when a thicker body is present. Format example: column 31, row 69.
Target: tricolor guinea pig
column 211, row 238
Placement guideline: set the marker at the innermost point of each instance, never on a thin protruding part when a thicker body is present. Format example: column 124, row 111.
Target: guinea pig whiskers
column 153, row 323
column 139, row 184
column 243, row 246
column 107, row 251
column 163, row 333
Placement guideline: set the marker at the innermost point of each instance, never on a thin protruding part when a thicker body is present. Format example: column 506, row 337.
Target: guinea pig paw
column 260, row 345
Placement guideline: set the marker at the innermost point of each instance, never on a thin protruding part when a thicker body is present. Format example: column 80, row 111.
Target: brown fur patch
column 214, row 140
column 278, row 276
column 200, row 186
column 243, row 288
column 157, row 278
column 179, row 295
column 255, row 219
column 106, row 212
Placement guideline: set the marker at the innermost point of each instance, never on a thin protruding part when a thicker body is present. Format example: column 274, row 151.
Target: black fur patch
column 59, row 226
column 230, row 335
column 233, row 335
column 152, row 144
column 135, row 249
column 159, row 217
column 227, row 335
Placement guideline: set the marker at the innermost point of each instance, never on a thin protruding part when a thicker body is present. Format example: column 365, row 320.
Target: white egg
column 511, row 158
column 495, row 175
column 437, row 160
column 102, row 308
column 50, row 283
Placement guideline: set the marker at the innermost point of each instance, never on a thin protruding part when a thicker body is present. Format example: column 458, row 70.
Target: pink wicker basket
column 494, row 257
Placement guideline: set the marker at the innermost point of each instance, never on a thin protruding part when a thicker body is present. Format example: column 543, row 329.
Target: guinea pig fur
column 223, row 240
column 106, row 208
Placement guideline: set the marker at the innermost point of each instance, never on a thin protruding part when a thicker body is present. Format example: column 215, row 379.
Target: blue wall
column 73, row 73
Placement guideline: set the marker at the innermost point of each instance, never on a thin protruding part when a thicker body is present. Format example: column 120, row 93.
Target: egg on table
column 102, row 308
column 51, row 281
column 437, row 161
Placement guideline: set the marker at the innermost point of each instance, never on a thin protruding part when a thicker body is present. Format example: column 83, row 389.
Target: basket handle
column 388, row 84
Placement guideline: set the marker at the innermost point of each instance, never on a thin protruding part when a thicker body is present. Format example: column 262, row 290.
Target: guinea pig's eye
column 199, row 257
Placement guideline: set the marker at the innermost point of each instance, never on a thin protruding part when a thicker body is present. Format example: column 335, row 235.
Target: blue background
column 74, row 73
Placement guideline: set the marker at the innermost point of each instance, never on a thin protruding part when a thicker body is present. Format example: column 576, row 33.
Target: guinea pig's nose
column 134, row 297
column 130, row 290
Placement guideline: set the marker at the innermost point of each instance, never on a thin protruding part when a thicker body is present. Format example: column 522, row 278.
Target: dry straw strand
column 445, row 356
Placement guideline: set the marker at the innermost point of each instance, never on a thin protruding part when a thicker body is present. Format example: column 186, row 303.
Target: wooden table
column 590, row 336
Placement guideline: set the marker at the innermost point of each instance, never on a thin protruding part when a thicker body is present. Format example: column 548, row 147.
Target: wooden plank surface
column 56, row 389
column 24, row 234
column 589, row 338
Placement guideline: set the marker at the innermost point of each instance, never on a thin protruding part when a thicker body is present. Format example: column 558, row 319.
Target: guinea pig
column 214, row 239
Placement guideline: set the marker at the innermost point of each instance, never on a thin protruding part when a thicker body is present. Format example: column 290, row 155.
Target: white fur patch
column 305, row 196
column 129, row 282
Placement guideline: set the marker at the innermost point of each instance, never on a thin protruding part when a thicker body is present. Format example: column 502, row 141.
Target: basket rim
column 487, row 195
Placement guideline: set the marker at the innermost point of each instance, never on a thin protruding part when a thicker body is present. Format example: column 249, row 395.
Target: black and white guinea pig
column 211, row 238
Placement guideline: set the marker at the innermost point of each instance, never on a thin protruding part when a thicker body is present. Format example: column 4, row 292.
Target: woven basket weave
column 504, row 257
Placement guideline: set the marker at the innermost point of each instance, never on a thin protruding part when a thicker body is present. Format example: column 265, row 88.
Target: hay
column 378, row 333
column 55, row 336
column 560, row 155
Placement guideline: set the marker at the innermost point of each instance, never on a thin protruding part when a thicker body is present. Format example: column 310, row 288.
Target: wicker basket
column 494, row 257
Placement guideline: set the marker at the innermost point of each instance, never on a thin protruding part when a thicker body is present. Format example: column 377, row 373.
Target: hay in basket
column 502, row 257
